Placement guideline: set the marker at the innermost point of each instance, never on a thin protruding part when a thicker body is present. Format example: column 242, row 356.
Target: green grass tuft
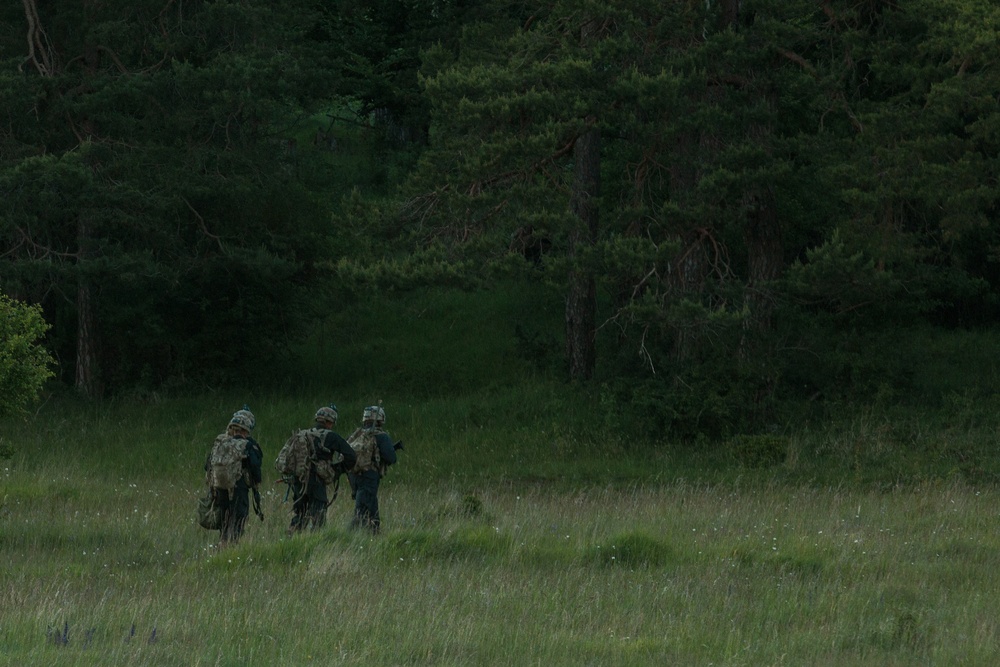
column 634, row 550
column 468, row 543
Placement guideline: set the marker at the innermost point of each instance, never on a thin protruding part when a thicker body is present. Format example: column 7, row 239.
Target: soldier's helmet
column 327, row 413
column 374, row 413
column 242, row 420
column 247, row 417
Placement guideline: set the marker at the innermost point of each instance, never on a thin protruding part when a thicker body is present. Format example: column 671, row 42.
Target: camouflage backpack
column 363, row 442
column 298, row 454
column 226, row 462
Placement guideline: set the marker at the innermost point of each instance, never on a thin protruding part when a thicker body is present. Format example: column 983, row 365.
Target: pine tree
column 147, row 173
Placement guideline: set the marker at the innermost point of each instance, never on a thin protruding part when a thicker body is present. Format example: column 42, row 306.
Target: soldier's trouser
column 310, row 505
column 365, row 490
column 309, row 513
column 235, row 510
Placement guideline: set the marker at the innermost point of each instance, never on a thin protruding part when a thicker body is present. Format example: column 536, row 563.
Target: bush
column 24, row 364
column 758, row 451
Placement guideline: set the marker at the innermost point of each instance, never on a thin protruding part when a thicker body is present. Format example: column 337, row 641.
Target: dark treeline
column 743, row 203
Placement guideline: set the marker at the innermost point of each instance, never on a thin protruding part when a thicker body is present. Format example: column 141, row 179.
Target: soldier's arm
column 385, row 448
column 255, row 457
column 335, row 443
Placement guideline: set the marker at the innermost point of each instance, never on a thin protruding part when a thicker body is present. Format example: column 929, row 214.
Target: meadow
column 517, row 531
column 623, row 562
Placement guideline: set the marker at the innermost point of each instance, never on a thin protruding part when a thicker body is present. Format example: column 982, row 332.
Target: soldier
column 311, row 500
column 375, row 453
column 233, row 501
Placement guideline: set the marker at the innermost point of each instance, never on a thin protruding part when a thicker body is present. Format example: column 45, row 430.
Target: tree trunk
column 86, row 350
column 86, row 347
column 581, row 297
column 764, row 263
column 730, row 12
column 765, row 249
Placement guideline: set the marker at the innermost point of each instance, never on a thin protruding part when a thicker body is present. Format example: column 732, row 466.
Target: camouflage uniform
column 365, row 483
column 235, row 508
column 311, row 499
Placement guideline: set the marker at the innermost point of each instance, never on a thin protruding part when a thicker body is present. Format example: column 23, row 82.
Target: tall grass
column 518, row 528
column 98, row 572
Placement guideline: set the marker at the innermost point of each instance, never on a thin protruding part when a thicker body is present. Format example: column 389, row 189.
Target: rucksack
column 298, row 454
column 209, row 515
column 226, row 462
column 365, row 446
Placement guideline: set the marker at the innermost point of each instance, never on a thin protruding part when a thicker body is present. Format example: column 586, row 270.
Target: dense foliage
column 782, row 189
column 24, row 364
column 743, row 204
column 149, row 200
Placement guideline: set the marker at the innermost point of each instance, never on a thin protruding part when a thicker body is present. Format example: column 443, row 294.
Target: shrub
column 24, row 364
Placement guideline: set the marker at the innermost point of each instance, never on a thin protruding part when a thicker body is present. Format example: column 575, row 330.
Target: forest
column 685, row 309
column 742, row 211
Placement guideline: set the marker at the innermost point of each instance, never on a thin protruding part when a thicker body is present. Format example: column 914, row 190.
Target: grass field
column 521, row 527
column 488, row 555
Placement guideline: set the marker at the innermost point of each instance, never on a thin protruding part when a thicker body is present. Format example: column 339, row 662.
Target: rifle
column 289, row 482
column 256, row 503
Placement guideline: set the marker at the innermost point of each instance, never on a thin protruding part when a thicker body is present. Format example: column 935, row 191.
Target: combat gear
column 300, row 453
column 374, row 413
column 226, row 462
column 365, row 446
column 209, row 515
column 243, row 420
column 247, row 418
column 327, row 413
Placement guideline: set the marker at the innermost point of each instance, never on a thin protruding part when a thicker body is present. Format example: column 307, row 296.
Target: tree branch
column 204, row 227
column 39, row 48
column 798, row 60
